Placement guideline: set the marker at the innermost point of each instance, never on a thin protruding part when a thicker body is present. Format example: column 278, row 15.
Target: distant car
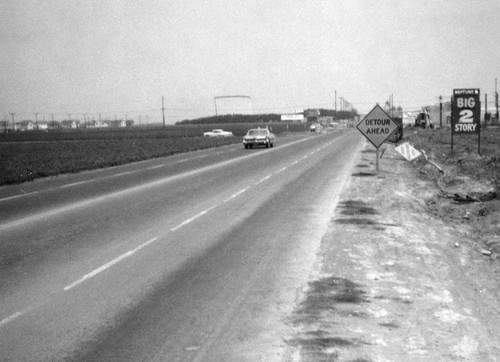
column 218, row 133
column 259, row 137
column 315, row 127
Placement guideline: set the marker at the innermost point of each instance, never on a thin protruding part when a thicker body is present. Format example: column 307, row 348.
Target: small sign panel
column 466, row 111
column 408, row 151
column 377, row 126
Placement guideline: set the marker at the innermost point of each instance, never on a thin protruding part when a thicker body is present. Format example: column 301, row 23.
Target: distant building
column 312, row 115
column 70, row 124
column 42, row 126
column 118, row 123
column 26, row 126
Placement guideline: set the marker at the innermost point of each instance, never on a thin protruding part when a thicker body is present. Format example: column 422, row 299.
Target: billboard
column 466, row 111
column 292, row 117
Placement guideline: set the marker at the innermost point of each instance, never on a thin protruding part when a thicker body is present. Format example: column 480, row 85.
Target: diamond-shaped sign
column 377, row 126
column 408, row 151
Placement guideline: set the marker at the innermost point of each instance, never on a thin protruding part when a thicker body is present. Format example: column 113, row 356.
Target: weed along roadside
column 401, row 275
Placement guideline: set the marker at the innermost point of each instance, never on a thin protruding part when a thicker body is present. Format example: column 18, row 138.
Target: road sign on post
column 377, row 127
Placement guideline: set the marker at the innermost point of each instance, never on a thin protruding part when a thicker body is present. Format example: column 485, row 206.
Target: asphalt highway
column 190, row 257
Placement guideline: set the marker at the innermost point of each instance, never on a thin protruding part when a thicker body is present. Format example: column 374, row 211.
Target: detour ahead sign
column 377, row 126
column 466, row 111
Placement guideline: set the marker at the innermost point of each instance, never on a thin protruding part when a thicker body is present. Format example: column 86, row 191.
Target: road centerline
column 109, row 264
column 191, row 219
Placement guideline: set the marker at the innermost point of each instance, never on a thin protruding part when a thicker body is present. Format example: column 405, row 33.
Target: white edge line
column 76, row 183
column 109, row 264
column 185, row 222
column 20, row 195
column 122, row 173
column 10, row 318
column 154, row 167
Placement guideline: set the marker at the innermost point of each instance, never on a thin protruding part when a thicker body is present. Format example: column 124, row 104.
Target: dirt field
column 467, row 193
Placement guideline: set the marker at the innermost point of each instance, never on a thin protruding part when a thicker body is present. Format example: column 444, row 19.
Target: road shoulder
column 395, row 283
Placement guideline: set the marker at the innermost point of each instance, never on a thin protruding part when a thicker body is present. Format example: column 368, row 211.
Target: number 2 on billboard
column 466, row 116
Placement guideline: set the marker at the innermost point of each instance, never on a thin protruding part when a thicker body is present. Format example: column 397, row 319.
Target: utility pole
column 485, row 108
column 440, row 112
column 392, row 104
column 13, row 123
column 496, row 97
column 335, row 104
column 163, row 110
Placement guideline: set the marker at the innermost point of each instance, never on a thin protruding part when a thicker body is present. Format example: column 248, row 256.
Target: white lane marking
column 10, row 318
column 18, row 196
column 281, row 170
column 122, row 173
column 76, row 183
column 191, row 219
column 236, row 194
column 263, row 179
column 294, row 162
column 109, row 264
column 154, row 167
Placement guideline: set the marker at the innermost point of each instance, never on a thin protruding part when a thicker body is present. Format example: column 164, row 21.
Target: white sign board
column 377, row 126
column 292, row 117
column 408, row 151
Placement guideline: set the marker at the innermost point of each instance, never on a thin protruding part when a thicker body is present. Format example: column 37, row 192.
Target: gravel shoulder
column 395, row 282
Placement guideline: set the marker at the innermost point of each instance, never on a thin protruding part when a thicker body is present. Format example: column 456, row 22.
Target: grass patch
column 30, row 155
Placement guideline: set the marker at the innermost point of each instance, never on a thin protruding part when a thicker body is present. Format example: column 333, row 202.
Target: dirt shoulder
column 397, row 282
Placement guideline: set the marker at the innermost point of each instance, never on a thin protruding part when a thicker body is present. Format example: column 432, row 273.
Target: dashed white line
column 263, row 179
column 236, row 194
column 10, row 318
column 281, row 169
column 109, row 264
column 294, row 162
column 191, row 219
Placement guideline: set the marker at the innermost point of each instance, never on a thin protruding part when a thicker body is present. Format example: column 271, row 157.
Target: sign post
column 377, row 127
column 466, row 114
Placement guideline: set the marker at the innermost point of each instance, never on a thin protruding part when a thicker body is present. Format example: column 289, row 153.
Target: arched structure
column 231, row 96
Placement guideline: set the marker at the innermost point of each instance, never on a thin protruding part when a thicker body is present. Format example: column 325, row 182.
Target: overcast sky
column 120, row 57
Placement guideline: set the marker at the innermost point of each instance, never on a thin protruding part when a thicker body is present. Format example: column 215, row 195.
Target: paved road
column 191, row 257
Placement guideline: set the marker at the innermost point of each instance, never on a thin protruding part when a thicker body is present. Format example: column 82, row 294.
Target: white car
column 218, row 133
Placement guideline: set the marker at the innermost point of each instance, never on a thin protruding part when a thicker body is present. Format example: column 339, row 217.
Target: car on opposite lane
column 218, row 133
column 259, row 137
